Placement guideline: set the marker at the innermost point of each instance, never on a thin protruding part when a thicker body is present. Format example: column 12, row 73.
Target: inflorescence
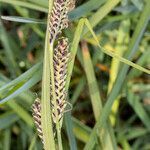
column 58, row 20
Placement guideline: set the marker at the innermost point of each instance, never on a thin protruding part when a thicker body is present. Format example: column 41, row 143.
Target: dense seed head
column 60, row 61
column 59, row 18
column 36, row 113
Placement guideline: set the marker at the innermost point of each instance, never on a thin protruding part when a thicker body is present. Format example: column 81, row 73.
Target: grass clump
column 95, row 60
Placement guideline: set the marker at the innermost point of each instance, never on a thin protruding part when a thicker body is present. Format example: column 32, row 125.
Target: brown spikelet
column 36, row 113
column 60, row 61
column 59, row 18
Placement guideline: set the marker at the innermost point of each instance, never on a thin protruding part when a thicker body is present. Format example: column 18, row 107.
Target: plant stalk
column 46, row 120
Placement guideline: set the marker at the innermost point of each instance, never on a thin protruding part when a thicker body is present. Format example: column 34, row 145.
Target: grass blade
column 22, row 19
column 48, row 136
column 112, row 54
column 25, row 4
column 73, row 51
column 78, row 90
column 101, row 13
column 95, row 96
column 7, row 139
column 13, row 66
column 33, row 142
column 85, row 9
column 21, row 112
column 69, row 128
column 7, row 119
column 22, row 77
column 35, row 78
column 81, row 131
column 120, row 48
column 141, row 61
column 134, row 101
column 140, row 28
column 46, row 120
column 92, row 82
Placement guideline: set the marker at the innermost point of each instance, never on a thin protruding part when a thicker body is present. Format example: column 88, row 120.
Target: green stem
column 48, row 136
column 46, row 120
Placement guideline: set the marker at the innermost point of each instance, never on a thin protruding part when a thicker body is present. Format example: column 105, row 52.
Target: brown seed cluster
column 59, row 17
column 60, row 61
column 36, row 113
column 58, row 21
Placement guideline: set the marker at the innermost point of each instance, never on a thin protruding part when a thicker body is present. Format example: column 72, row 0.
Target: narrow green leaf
column 25, row 4
column 33, row 142
column 7, row 139
column 95, row 96
column 7, row 119
column 46, row 120
column 40, row 2
column 78, row 90
column 136, row 132
column 69, row 128
column 48, row 136
column 22, row 77
column 141, row 61
column 73, row 51
column 112, row 54
column 22, row 19
column 35, row 78
column 139, row 30
column 101, row 13
column 134, row 101
column 85, row 9
column 21, row 112
column 13, row 66
column 92, row 82
column 120, row 48
column 80, row 130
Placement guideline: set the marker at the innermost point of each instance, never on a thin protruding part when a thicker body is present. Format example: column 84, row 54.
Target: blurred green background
column 121, row 27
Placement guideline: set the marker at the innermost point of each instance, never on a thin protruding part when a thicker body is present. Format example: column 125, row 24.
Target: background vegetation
column 99, row 82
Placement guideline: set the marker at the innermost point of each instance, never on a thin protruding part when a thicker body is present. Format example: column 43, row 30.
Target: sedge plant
column 58, row 61
column 49, row 111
